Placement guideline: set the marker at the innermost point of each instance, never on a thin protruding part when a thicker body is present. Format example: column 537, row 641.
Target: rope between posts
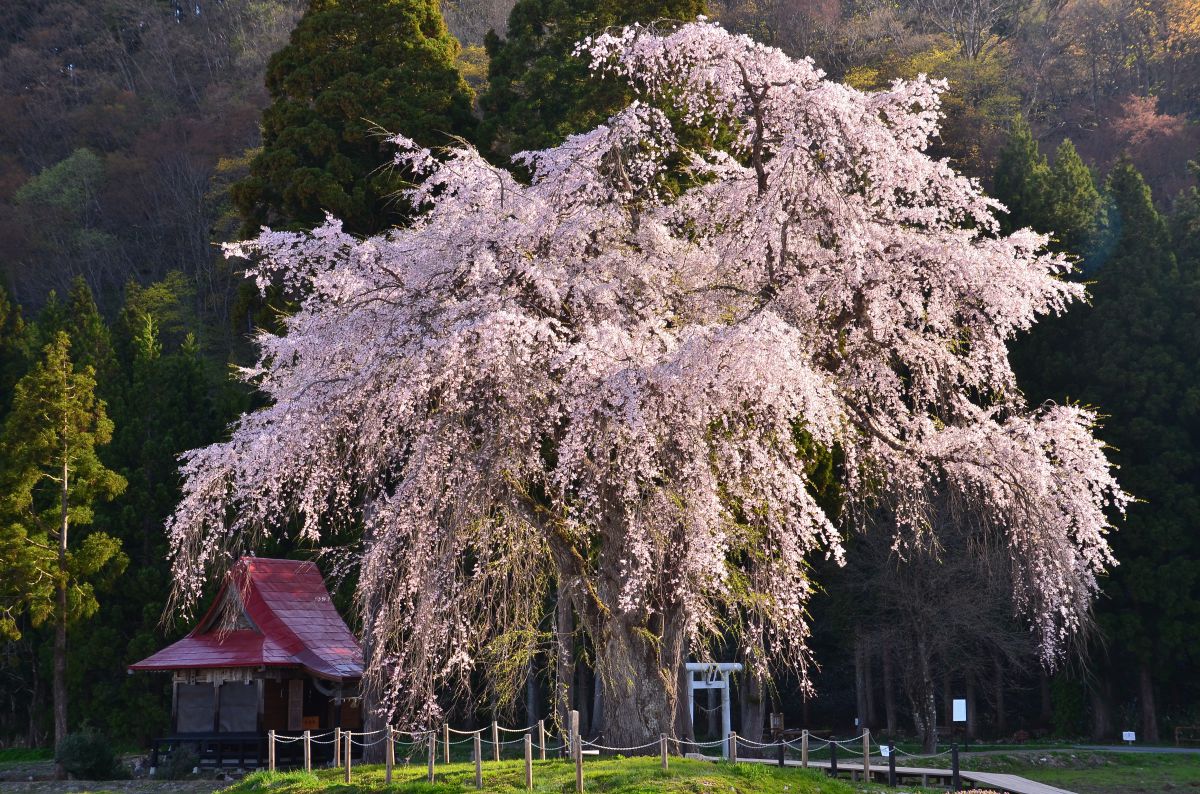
column 920, row 755
column 751, row 743
column 380, row 740
column 515, row 730
column 811, row 749
column 620, row 749
column 466, row 733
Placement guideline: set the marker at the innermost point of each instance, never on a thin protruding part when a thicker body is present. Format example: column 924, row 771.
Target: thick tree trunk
column 1149, row 711
column 59, row 683
column 564, row 662
column 372, row 721
column 754, row 707
column 1101, row 712
column 639, row 677
column 889, row 691
column 923, row 701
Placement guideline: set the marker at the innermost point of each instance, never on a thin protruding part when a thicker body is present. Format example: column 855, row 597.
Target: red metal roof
column 289, row 621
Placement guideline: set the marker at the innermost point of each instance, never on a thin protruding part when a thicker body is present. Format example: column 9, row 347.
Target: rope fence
column 428, row 745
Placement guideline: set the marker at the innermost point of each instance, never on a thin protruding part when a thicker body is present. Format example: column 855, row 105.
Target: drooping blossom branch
column 595, row 382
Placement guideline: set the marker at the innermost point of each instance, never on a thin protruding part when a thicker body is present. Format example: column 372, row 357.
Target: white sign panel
column 883, row 748
column 960, row 710
column 1128, row 736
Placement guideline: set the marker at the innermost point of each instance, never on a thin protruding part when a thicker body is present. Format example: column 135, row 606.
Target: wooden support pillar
column 577, row 751
column 804, row 749
column 308, row 751
column 389, row 756
column 478, row 761
column 446, row 742
column 733, row 746
column 349, row 738
column 337, row 747
column 867, row 755
column 495, row 741
column 542, row 740
column 271, row 750
column 528, row 762
column 662, row 749
column 432, row 754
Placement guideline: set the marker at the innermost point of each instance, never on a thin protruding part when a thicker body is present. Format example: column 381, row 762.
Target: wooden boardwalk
column 924, row 776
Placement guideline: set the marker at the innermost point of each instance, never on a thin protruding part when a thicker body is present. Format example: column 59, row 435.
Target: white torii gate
column 712, row 675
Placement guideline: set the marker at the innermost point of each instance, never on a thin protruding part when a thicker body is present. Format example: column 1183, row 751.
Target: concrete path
column 1012, row 784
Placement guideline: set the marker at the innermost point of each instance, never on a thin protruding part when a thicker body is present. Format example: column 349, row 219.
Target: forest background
column 134, row 142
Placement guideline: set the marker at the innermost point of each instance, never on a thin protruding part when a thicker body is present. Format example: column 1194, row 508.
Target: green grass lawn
column 1099, row 773
column 611, row 775
column 21, row 755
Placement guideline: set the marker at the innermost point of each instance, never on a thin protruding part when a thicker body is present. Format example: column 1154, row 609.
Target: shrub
column 179, row 763
column 87, row 755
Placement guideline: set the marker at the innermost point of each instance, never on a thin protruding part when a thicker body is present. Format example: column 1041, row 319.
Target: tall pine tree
column 1021, row 180
column 1135, row 367
column 51, row 479
column 351, row 69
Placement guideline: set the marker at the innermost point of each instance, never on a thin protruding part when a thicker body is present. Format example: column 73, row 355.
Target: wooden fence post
column 577, row 751
column 867, row 755
column 432, row 753
column 389, row 756
column 495, row 741
column 804, row 749
column 349, row 738
column 337, row 747
column 308, row 751
column 478, row 761
column 733, row 746
column 542, row 740
column 528, row 762
column 662, row 749
column 446, row 742
column 271, row 750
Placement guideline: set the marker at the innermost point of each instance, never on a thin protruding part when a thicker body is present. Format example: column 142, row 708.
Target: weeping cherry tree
column 608, row 383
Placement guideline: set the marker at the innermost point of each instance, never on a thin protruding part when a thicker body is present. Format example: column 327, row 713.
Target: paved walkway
column 1012, row 784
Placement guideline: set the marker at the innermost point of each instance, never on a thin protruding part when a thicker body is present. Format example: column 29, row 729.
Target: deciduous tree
column 594, row 382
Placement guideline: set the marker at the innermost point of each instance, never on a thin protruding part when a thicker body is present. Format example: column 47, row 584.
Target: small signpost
column 1129, row 737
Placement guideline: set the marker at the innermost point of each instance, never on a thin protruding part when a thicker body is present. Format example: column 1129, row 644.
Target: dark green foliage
column 88, row 756
column 1075, row 205
column 352, row 71
column 1021, row 181
column 1133, row 354
column 538, row 92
